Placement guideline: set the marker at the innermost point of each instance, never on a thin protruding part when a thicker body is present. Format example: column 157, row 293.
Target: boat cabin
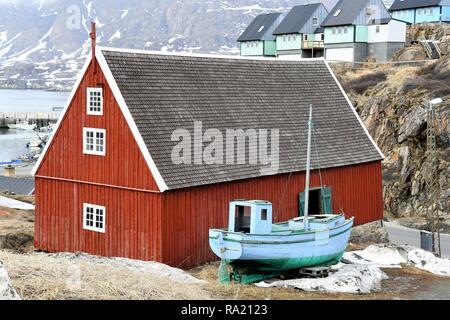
column 253, row 216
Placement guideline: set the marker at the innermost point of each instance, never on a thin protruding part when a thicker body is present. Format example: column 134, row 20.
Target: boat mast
column 308, row 168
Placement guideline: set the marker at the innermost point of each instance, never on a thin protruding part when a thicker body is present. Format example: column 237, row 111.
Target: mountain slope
column 44, row 43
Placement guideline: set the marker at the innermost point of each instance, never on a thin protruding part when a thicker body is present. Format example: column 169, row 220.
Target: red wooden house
column 106, row 183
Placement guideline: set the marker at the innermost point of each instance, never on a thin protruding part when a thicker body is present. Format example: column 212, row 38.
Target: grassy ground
column 42, row 276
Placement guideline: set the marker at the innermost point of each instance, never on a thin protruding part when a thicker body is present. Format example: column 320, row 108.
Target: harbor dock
column 41, row 119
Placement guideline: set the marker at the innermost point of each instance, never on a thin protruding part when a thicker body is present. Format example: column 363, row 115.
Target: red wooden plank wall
column 188, row 214
column 123, row 165
column 133, row 225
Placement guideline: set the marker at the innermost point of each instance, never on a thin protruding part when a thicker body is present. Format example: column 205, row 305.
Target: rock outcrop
column 394, row 111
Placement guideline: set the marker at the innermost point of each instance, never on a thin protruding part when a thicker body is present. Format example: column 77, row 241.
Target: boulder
column 7, row 291
column 372, row 232
column 16, row 241
column 412, row 123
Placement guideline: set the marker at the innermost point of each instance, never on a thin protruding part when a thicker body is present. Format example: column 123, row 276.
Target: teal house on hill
column 356, row 30
column 421, row 11
column 258, row 38
column 300, row 33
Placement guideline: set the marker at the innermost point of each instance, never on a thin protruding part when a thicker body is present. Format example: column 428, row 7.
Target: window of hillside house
column 345, row 30
column 315, row 21
column 377, row 29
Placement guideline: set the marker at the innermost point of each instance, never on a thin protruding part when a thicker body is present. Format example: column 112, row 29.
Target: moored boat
column 256, row 248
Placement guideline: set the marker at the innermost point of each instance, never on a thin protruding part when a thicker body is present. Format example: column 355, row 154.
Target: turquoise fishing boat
column 253, row 248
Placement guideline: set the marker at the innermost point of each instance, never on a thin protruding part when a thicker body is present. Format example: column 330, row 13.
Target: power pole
column 432, row 181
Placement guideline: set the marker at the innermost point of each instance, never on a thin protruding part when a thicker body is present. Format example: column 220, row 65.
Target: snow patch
column 14, row 204
column 383, row 257
column 351, row 278
column 176, row 37
column 427, row 261
column 124, row 13
column 115, row 36
column 7, row 291
column 3, row 36
column 157, row 268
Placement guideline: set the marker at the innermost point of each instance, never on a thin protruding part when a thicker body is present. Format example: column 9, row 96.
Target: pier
column 41, row 119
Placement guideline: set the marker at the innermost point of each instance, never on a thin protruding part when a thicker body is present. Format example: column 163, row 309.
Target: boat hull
column 281, row 252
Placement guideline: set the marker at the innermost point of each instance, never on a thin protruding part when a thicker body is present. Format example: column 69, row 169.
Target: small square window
column 315, row 21
column 95, row 101
column 94, row 217
column 94, row 141
column 263, row 214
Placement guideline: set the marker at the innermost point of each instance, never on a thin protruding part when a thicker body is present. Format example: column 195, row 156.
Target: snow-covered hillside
column 43, row 43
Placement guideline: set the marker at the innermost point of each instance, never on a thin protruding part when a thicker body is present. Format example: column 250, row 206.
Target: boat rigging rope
column 292, row 169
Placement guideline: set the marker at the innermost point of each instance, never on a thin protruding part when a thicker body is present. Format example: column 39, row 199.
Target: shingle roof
column 409, row 4
column 349, row 12
column 297, row 18
column 257, row 29
column 168, row 92
column 17, row 185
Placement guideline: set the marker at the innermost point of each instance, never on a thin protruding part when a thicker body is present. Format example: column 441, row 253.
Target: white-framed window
column 94, row 101
column 334, row 30
column 377, row 29
column 94, row 141
column 345, row 30
column 94, row 217
column 315, row 21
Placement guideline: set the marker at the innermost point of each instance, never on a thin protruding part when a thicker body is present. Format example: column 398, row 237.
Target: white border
column 93, row 228
column 89, row 112
column 354, row 110
column 129, row 118
column 94, row 152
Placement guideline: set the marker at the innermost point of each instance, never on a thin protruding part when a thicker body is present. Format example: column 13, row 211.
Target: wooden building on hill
column 107, row 183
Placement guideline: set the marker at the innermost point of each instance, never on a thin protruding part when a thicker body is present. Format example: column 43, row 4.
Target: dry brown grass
column 251, row 292
column 45, row 277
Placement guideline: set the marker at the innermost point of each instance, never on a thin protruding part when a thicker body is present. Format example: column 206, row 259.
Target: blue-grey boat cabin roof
column 299, row 19
column 411, row 4
column 356, row 12
column 261, row 27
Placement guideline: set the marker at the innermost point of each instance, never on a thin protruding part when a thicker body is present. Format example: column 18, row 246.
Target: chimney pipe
column 93, row 36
